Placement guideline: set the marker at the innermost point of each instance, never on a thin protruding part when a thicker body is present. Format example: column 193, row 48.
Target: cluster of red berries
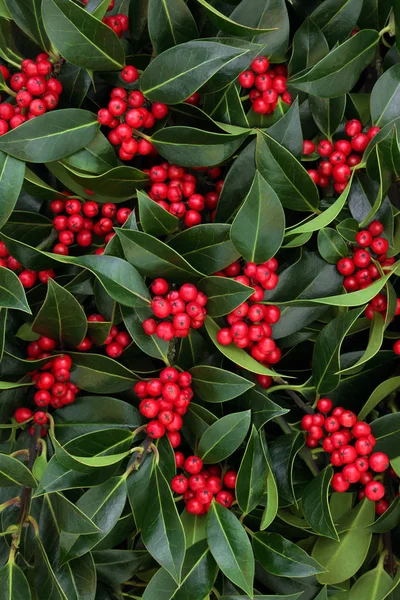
column 126, row 115
column 336, row 432
column 250, row 323
column 179, row 310
column 75, row 223
column 165, row 401
column 27, row 277
column 52, row 382
column 36, row 91
column 175, row 189
column 115, row 343
column 118, row 23
column 338, row 158
column 270, row 85
column 200, row 485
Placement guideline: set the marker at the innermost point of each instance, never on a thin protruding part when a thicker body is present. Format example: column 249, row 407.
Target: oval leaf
column 216, row 385
column 222, row 438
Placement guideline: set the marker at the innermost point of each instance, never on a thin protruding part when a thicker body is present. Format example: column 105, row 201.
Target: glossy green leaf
column 308, row 48
column 78, row 578
column 103, row 505
column 198, row 574
column 326, row 356
column 315, row 503
column 263, row 409
column 162, row 531
column 12, row 292
column 216, row 385
column 385, row 103
column 282, row 557
column 228, row 25
column 389, row 520
column 337, row 18
column 191, row 349
column 14, row 473
column 27, row 226
column 222, row 438
column 230, row 547
column 252, row 474
column 117, row 566
column 224, row 294
column 76, row 83
column 154, row 219
column 93, row 372
column 164, row 80
column 149, row 344
column 374, row 14
column 327, row 113
column 170, row 23
column 13, row 583
column 287, row 130
column 69, row 516
column 152, row 257
column 27, row 255
column 383, row 162
column 138, row 484
column 331, row 245
column 61, row 317
column 375, row 340
column 118, row 183
column 198, row 420
column 12, row 173
column 51, row 136
column 372, row 585
column 343, row 558
column 80, row 37
column 259, row 226
column 192, row 147
column 271, row 509
column 387, row 433
column 237, row 355
column 288, row 178
column 283, row 452
column 337, row 73
column 27, row 15
column 46, row 582
column 208, row 247
column 382, row 391
column 96, row 158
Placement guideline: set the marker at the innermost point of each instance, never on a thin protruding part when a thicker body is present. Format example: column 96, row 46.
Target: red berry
column 361, row 258
column 224, row 498
column 40, row 417
column 324, row 405
column 260, row 64
column 214, row 484
column 376, row 228
column 22, row 414
column 179, row 484
column 345, row 266
column 353, row 127
column 364, row 238
column 351, row 473
column 194, row 507
column 379, row 462
column 361, row 429
column 347, row 418
column 179, row 459
column 155, row 429
column 246, row 79
column 374, row 491
column 360, row 142
column 230, row 479
column 363, row 446
column 339, row 483
column 193, row 465
column 379, row 245
column 325, row 148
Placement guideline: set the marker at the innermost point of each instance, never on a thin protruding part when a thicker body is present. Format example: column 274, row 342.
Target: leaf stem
column 297, row 400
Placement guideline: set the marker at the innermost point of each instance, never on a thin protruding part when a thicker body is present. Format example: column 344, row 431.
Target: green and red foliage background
column 87, row 511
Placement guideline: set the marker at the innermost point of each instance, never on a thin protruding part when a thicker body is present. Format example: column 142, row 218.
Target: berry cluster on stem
column 115, row 343
column 269, row 85
column 27, row 277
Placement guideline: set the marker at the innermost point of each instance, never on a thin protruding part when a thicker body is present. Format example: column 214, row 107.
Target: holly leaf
column 170, row 23
column 223, row 437
column 337, row 18
column 212, row 384
column 252, row 474
column 315, row 503
column 12, row 173
column 223, row 294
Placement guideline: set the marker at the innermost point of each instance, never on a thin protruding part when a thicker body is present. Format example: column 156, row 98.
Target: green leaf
column 120, row 280
column 328, row 113
column 222, row 438
column 216, row 385
column 337, row 73
column 13, row 583
column 262, row 597
column 194, row 527
column 259, row 226
column 383, row 162
column 96, row 158
column 139, row 490
column 287, row 130
column 170, row 23
column 266, row 13
column 230, row 547
column 27, row 15
column 152, row 257
column 191, row 349
column 331, row 245
column 272, row 506
column 149, row 344
column 76, row 83
column 315, row 503
column 46, row 583
column 283, row 558
column 385, row 103
column 192, row 147
column 382, row 391
column 27, row 226
column 28, row 256
column 198, row 575
column 103, row 505
column 309, row 46
column 224, row 294
column 198, row 420
column 118, row 183
column 78, row 578
column 235, row 354
column 262, row 408
column 206, row 247
column 12, row 292
column 252, row 474
column 154, row 219
column 372, row 585
column 93, row 372
column 337, row 18
column 117, row 566
column 374, row 14
column 288, row 178
column 12, row 173
column 162, row 531
column 375, row 340
column 326, row 355
column 343, row 558
column 389, row 520
column 283, row 452
column 237, row 183
column 166, row 80
column 78, row 418
column 61, row 317
column 228, row 25
column 69, row 517
column 51, row 136
column 387, row 433
column 80, row 37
